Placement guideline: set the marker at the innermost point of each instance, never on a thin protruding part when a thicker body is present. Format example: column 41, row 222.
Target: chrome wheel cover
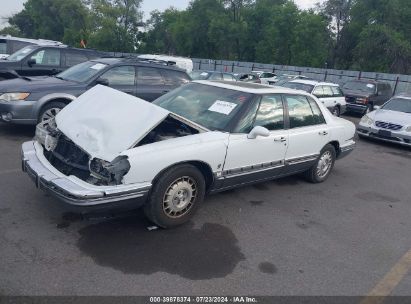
column 50, row 113
column 179, row 197
column 335, row 111
column 324, row 164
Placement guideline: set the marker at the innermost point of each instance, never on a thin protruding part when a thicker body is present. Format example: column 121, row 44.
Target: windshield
column 82, row 72
column 20, row 54
column 399, row 105
column 211, row 107
column 199, row 75
column 299, row 86
column 359, row 86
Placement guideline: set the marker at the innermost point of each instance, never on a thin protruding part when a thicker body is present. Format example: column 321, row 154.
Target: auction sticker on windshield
column 98, row 66
column 222, row 107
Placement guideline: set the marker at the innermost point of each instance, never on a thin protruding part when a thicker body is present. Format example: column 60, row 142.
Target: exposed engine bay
column 168, row 129
column 70, row 159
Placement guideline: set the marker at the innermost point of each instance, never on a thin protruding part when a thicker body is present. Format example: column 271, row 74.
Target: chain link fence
column 400, row 83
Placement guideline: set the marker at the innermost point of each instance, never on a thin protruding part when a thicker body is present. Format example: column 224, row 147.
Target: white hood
column 105, row 122
column 394, row 117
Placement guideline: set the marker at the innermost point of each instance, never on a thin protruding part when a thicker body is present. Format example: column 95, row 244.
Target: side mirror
column 258, row 131
column 103, row 81
column 31, row 62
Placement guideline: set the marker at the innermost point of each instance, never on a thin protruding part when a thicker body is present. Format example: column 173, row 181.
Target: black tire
column 49, row 107
column 314, row 175
column 162, row 212
column 336, row 111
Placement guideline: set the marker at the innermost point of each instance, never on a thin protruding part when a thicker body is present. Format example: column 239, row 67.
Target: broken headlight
column 110, row 172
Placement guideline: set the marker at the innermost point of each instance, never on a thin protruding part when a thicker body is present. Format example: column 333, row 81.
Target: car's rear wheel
column 50, row 110
column 336, row 111
column 320, row 171
column 175, row 196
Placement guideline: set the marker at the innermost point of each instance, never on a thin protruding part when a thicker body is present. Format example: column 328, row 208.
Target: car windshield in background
column 299, row 86
column 20, row 54
column 209, row 106
column 199, row 75
column 83, row 71
column 399, row 105
column 359, row 86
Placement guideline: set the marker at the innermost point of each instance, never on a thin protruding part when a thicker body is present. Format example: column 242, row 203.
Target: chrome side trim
column 300, row 160
column 251, row 169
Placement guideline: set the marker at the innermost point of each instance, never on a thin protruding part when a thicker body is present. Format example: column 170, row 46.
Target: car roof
column 33, row 41
column 314, row 82
column 247, row 87
column 135, row 61
column 368, row 81
column 403, row 96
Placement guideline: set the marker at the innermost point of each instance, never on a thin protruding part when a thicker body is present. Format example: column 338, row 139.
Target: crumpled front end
column 60, row 167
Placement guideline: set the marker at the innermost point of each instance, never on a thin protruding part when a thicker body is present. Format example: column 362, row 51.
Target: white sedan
column 110, row 150
column 391, row 122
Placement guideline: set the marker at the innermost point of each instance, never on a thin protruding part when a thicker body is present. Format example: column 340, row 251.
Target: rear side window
column 327, row 91
column 149, row 76
column 303, row 111
column 174, row 78
column 73, row 58
column 337, row 92
column 3, row 46
column 270, row 114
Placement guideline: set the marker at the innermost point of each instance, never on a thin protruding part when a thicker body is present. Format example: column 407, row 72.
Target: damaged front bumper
column 77, row 194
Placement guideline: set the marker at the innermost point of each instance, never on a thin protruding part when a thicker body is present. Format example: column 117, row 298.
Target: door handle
column 280, row 139
column 323, row 133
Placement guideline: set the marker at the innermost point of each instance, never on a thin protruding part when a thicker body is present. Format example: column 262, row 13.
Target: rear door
column 325, row 95
column 173, row 79
column 308, row 132
column 150, row 83
column 72, row 57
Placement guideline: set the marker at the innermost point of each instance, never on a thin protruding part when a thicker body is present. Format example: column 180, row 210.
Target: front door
column 122, row 78
column 262, row 158
column 47, row 62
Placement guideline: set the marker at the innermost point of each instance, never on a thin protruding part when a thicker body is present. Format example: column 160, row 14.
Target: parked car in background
column 111, row 150
column 391, row 122
column 10, row 44
column 363, row 95
column 32, row 100
column 212, row 75
column 250, row 77
column 286, row 78
column 180, row 62
column 40, row 60
column 266, row 77
column 329, row 94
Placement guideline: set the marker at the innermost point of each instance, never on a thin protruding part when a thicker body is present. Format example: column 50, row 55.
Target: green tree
column 63, row 20
column 115, row 24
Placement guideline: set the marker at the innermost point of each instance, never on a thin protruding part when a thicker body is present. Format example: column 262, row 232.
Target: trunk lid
column 105, row 122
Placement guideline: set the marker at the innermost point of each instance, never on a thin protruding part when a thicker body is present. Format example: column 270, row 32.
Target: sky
column 9, row 7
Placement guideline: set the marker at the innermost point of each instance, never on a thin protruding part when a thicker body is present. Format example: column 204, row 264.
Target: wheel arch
column 65, row 98
column 202, row 166
column 336, row 146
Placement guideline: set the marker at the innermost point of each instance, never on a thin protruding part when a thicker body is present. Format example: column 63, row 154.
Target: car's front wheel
column 176, row 196
column 320, row 171
column 50, row 110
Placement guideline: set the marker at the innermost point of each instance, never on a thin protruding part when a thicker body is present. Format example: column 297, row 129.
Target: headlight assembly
column 367, row 120
column 408, row 129
column 14, row 96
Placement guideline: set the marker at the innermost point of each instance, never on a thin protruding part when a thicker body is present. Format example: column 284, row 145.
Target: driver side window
column 47, row 57
column 270, row 114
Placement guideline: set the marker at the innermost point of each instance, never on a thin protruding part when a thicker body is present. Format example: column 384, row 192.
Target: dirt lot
column 285, row 237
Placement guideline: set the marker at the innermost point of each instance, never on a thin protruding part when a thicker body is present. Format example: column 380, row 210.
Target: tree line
column 370, row 35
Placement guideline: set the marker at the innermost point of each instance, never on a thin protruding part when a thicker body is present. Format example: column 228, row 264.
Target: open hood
column 105, row 122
